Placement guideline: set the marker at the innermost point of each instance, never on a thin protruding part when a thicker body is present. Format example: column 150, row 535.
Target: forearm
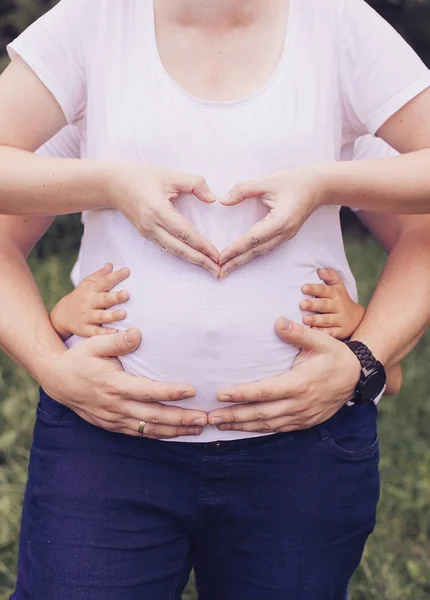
column 36, row 185
column 399, row 184
column 26, row 333
column 399, row 311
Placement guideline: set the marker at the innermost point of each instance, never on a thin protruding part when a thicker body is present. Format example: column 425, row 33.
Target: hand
column 292, row 196
column 323, row 377
column 89, row 379
column 144, row 195
column 339, row 315
column 83, row 311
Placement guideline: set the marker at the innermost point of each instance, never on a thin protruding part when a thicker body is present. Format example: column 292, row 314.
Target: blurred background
column 396, row 565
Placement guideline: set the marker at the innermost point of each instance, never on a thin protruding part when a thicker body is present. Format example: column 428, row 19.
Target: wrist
column 326, row 175
column 55, row 316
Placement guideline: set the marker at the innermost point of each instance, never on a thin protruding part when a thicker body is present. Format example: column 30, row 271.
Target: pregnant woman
column 272, row 92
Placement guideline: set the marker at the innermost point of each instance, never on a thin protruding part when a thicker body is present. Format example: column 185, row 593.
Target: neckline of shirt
column 227, row 104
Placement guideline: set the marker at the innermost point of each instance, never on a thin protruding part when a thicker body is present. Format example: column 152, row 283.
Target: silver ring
column 141, row 428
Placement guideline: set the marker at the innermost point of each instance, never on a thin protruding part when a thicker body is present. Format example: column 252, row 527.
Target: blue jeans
column 113, row 517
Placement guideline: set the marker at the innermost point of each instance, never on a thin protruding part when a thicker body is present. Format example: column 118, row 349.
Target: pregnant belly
column 211, row 333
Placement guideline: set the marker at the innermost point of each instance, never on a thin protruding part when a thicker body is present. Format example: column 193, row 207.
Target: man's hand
column 90, row 380
column 321, row 380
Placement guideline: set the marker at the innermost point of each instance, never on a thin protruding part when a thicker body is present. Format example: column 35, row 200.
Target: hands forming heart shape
column 145, row 195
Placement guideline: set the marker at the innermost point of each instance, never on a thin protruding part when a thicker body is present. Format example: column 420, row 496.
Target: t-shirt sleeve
column 54, row 48
column 64, row 144
column 380, row 72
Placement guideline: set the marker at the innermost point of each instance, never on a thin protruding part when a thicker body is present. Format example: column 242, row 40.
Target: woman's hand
column 144, row 195
column 89, row 379
column 336, row 313
column 322, row 379
column 292, row 196
column 84, row 310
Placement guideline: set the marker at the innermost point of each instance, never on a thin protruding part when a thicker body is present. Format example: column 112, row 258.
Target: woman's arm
column 54, row 186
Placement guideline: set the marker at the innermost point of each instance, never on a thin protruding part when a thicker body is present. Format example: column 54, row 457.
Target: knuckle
column 263, row 394
column 266, row 426
column 261, row 416
column 150, row 430
column 254, row 241
column 179, row 252
column 183, row 235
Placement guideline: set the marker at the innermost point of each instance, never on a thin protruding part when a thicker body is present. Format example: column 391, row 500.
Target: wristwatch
column 372, row 383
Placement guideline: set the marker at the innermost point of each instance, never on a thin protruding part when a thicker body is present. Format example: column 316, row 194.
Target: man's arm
column 97, row 389
column 325, row 373
column 399, row 311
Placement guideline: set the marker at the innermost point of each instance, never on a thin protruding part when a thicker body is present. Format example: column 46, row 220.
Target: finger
column 318, row 305
column 91, row 330
column 302, row 337
column 180, row 249
column 242, row 259
column 242, row 191
column 284, row 423
column 258, row 234
column 105, row 270
column 108, row 299
column 118, row 344
column 146, row 390
column 110, row 280
column 261, row 411
column 194, row 184
column 177, row 225
column 164, row 415
column 330, row 276
column 319, row 290
column 265, row 390
column 158, row 432
column 102, row 316
column 321, row 321
column 131, row 427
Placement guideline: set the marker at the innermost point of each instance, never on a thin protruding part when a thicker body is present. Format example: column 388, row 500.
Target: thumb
column 117, row 344
column 329, row 276
column 242, row 191
column 194, row 184
column 300, row 336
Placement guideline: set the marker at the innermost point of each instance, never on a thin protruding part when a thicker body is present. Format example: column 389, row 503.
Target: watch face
column 373, row 385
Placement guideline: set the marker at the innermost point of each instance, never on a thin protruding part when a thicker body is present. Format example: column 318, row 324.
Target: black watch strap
column 363, row 354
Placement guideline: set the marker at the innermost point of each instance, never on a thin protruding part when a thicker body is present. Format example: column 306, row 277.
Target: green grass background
column 396, row 564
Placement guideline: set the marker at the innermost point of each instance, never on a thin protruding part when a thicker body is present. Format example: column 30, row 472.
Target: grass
column 396, row 564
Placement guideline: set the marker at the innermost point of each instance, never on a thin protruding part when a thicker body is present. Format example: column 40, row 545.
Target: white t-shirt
column 344, row 71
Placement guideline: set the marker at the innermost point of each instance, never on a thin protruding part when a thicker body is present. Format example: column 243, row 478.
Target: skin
column 215, row 37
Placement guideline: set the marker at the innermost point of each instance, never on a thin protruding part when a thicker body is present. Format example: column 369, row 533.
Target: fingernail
column 305, row 289
column 194, row 431
column 285, row 324
column 211, row 196
column 128, row 339
column 215, row 274
column 216, row 421
column 199, row 422
column 226, row 398
column 123, row 295
column 187, row 394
